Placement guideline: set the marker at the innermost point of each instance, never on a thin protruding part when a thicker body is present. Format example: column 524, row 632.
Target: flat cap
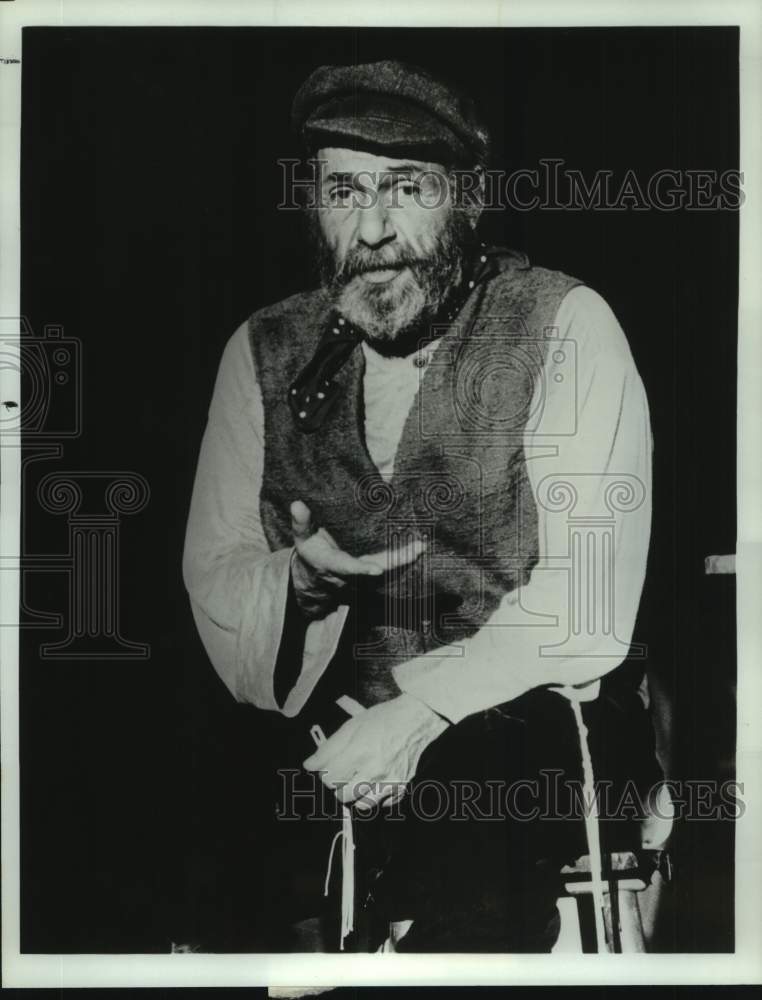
column 389, row 106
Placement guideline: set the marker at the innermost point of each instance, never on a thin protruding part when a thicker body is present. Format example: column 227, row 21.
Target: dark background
column 149, row 232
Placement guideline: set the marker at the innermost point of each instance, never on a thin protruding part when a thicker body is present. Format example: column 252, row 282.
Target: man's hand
column 320, row 569
column 380, row 747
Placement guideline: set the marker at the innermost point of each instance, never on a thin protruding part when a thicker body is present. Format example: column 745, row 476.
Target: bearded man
column 423, row 501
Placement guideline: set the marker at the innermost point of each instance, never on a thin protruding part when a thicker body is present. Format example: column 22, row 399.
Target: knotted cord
column 346, row 835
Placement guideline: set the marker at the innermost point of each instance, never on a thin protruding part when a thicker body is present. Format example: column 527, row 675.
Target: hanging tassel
column 347, row 877
column 346, row 835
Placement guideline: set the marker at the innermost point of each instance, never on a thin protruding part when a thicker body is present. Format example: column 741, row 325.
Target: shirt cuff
column 447, row 685
column 260, row 634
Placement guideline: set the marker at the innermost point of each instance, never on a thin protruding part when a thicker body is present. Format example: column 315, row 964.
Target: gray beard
column 395, row 316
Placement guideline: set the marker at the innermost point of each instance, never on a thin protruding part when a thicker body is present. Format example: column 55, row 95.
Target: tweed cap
column 389, row 106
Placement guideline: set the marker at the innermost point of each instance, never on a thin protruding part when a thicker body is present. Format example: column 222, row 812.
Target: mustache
column 361, row 260
column 431, row 265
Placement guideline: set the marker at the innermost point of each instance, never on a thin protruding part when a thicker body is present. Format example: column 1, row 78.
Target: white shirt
column 569, row 625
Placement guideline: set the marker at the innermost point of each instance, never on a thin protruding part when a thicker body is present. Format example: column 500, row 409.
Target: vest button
column 420, row 361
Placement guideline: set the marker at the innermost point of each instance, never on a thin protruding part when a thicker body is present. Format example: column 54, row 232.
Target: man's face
column 390, row 241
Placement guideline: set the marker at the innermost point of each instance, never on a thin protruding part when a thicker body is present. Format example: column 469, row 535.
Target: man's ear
column 469, row 192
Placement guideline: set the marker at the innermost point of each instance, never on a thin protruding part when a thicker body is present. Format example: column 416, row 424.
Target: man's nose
column 375, row 226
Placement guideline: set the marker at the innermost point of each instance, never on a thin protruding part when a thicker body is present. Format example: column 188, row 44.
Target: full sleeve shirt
column 588, row 458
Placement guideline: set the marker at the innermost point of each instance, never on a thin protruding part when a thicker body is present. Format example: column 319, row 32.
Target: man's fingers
column 397, row 556
column 364, row 795
column 368, row 795
column 301, row 520
column 395, row 797
column 330, row 561
column 345, row 790
column 367, row 798
column 340, row 563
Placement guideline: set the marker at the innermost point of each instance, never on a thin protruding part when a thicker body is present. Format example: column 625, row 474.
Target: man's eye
column 340, row 194
column 408, row 187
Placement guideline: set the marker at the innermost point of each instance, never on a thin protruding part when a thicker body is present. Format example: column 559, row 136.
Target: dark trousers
column 473, row 851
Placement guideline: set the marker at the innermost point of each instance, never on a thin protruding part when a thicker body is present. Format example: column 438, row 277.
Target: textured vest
column 460, row 481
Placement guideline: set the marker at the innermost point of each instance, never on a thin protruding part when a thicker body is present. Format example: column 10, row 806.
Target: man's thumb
column 301, row 520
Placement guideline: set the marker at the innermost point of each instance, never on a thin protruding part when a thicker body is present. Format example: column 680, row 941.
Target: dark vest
column 460, row 480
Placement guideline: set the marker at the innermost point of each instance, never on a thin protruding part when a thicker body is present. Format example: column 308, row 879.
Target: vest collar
column 313, row 392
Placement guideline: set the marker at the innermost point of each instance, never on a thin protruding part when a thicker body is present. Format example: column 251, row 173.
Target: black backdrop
column 150, row 231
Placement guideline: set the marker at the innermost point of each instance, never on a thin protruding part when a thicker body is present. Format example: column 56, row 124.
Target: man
column 426, row 485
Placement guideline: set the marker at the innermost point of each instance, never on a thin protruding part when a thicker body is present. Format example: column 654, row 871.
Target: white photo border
column 745, row 966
